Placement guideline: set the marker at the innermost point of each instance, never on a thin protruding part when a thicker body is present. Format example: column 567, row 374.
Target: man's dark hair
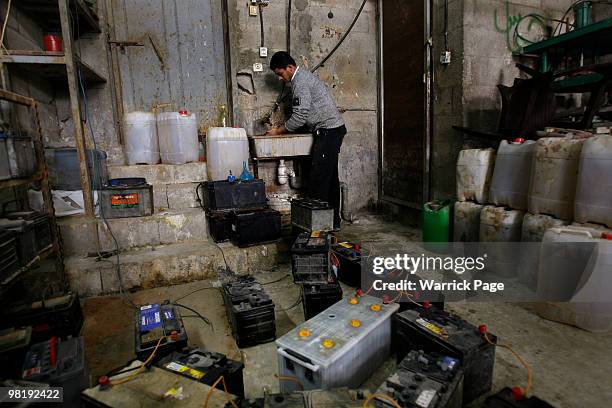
column 280, row 60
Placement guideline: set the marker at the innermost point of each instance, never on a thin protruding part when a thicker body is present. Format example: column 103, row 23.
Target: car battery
column 59, row 363
column 14, row 344
column 206, row 367
column 312, row 215
column 25, row 236
column 238, row 195
column 338, row 348
column 505, row 399
column 9, row 256
column 349, row 258
column 310, row 262
column 5, row 169
column 336, row 398
column 421, row 299
column 219, row 225
column 317, row 298
column 425, row 380
column 434, row 330
column 59, row 316
column 250, row 312
column 255, row 227
column 128, row 197
column 159, row 321
column 40, row 223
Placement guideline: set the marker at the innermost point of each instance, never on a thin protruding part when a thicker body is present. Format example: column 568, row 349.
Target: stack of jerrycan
column 574, row 280
column 500, row 223
column 474, row 173
column 594, row 189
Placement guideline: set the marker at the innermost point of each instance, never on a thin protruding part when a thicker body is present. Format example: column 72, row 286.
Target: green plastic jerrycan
column 436, row 225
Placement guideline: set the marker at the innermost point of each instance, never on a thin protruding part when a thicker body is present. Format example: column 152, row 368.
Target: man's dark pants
column 324, row 182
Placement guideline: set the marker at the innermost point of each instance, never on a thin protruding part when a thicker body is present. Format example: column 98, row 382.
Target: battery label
column 150, row 317
column 431, row 327
column 346, row 245
column 168, row 314
column 183, row 369
column 124, row 200
column 425, row 398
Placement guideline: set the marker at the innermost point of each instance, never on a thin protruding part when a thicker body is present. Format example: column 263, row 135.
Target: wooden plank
column 148, row 388
column 16, row 98
column 19, row 181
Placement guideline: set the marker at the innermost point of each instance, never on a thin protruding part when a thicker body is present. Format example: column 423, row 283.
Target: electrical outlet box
column 253, row 10
column 258, row 67
column 445, row 58
column 263, row 52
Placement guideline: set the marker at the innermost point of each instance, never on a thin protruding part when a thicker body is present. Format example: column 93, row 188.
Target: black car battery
column 40, row 223
column 507, row 399
column 250, row 312
column 310, row 258
column 219, row 225
column 14, row 344
column 159, row 321
column 317, row 298
column 237, row 195
column 206, row 367
column 59, row 363
column 312, row 215
column 59, row 316
column 25, row 236
column 441, row 368
column 434, row 330
column 126, row 197
column 255, row 227
column 9, row 256
column 349, row 258
column 425, row 380
column 421, row 298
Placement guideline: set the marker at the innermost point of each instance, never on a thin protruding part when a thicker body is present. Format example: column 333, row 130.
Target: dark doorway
column 402, row 59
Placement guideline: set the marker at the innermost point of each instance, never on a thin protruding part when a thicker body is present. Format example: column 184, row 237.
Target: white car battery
column 339, row 347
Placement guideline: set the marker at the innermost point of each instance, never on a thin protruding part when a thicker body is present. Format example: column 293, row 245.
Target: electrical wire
column 518, row 357
column 382, row 397
column 288, row 38
column 261, row 25
column 320, row 64
column 204, row 319
column 194, row 291
column 142, row 367
column 227, row 394
column 297, row 302
column 98, row 173
column 276, row 280
column 290, row 378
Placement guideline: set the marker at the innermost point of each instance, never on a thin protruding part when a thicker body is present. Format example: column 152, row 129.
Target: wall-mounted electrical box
column 258, row 67
column 445, row 58
column 253, row 10
column 263, row 52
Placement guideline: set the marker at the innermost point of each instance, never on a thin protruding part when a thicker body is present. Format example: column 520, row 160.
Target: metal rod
column 428, row 108
column 75, row 107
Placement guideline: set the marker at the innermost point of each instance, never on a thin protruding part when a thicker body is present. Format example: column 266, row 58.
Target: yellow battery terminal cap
column 355, row 323
column 328, row 343
column 304, row 333
column 353, row 301
column 375, row 308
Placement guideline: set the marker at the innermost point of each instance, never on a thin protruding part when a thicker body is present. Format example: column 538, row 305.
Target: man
column 314, row 108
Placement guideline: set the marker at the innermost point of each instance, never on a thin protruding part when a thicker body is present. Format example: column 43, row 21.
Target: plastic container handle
column 282, row 352
column 573, row 231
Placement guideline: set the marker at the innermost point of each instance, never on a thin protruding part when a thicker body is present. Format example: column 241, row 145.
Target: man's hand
column 276, row 131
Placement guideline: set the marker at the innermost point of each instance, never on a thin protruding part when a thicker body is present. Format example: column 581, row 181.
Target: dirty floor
column 571, row 367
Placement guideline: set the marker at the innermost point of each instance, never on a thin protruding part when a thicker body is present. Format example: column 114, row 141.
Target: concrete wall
column 481, row 41
column 350, row 74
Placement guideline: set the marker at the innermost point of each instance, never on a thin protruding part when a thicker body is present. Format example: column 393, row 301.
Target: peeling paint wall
column 350, row 74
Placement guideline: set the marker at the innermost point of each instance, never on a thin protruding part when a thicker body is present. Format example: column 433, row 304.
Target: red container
column 53, row 43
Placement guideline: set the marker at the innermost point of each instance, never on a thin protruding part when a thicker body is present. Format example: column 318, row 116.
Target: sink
column 289, row 145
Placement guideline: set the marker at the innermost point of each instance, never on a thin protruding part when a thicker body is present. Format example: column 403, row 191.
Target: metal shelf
column 49, row 65
column 46, row 14
column 45, row 252
column 19, row 181
column 596, row 35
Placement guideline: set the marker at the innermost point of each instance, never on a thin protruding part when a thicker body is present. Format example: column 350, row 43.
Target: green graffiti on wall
column 517, row 26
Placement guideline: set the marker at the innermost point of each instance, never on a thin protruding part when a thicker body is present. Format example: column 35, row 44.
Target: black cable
column 194, row 291
column 98, row 172
column 289, row 28
column 204, row 319
column 261, row 24
column 277, row 280
column 341, row 39
column 227, row 268
column 445, row 25
column 198, row 199
column 292, row 306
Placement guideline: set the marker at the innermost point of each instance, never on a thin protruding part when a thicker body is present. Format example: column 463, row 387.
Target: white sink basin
column 289, row 145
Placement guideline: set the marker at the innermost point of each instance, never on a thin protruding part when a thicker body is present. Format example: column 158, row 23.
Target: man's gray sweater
column 313, row 106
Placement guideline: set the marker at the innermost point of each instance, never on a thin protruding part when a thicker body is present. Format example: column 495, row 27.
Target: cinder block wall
column 481, row 41
column 316, row 26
